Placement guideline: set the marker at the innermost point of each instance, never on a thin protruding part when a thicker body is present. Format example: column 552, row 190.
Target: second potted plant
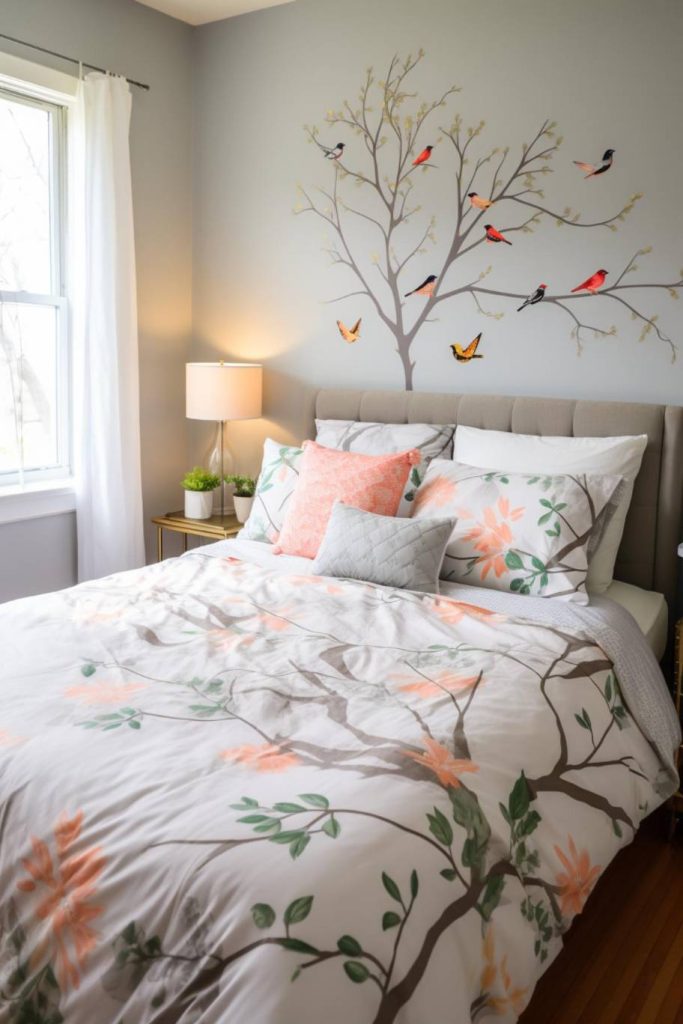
column 243, row 496
column 199, row 486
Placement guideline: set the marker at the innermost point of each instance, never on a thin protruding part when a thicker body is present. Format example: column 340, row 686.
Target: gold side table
column 215, row 528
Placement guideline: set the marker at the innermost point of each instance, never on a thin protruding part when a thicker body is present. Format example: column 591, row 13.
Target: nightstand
column 215, row 528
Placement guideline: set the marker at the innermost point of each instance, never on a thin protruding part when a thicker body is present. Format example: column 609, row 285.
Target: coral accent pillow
column 373, row 483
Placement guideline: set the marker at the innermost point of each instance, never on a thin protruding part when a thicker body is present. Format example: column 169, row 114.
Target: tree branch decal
column 388, row 174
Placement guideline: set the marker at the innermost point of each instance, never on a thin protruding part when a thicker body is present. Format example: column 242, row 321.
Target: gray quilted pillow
column 403, row 553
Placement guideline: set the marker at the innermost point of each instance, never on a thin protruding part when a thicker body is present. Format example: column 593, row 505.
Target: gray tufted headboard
column 647, row 556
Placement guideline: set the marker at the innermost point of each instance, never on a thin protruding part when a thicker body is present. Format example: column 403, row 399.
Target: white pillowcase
column 528, row 453
column 276, row 483
column 432, row 440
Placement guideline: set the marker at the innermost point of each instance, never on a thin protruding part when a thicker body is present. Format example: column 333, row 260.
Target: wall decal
column 465, row 355
column 383, row 161
column 593, row 283
column 350, row 334
column 591, row 171
column 535, row 297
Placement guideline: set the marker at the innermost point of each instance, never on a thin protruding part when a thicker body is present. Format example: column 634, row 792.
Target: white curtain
column 104, row 307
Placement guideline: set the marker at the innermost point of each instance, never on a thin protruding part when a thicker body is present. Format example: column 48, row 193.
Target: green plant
column 244, row 485
column 199, row 479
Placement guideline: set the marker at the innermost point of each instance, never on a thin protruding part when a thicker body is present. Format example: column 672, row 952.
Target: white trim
column 37, row 80
column 36, row 501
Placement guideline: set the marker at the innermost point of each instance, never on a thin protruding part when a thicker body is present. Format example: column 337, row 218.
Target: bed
column 233, row 790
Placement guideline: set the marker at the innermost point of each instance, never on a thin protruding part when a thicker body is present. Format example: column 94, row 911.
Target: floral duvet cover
column 229, row 794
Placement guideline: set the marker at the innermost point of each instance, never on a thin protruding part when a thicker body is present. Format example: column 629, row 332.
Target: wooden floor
column 623, row 957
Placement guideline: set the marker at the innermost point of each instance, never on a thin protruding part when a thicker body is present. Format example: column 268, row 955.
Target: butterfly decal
column 349, row 334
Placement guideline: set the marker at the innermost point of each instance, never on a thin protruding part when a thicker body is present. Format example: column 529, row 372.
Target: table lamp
column 222, row 392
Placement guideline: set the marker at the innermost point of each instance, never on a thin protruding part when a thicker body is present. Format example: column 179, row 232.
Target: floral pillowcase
column 276, row 483
column 526, row 533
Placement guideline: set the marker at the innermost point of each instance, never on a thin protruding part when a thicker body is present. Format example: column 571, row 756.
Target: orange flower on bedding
column 437, row 493
column 440, row 761
column 515, row 997
column 103, row 693
column 264, row 757
column 275, row 621
column 494, row 538
column 8, row 739
column 442, row 680
column 451, row 612
column 65, row 884
column 577, row 880
column 228, row 639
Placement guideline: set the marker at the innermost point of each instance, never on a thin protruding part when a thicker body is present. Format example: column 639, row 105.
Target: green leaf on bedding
column 440, row 827
column 269, row 825
column 516, row 584
column 263, row 915
column 414, row 883
column 332, row 828
column 286, row 808
column 298, row 846
column 449, row 874
column 297, row 946
column 583, row 719
column 492, row 896
column 245, row 802
column 520, row 797
column 88, row 670
column 298, row 910
column 315, row 800
column 134, row 723
column 608, row 688
column 287, row 837
column 356, row 971
column 349, row 946
column 253, row 819
column 415, row 477
column 513, row 560
column 529, row 823
column 390, row 919
column 537, row 563
column 391, row 887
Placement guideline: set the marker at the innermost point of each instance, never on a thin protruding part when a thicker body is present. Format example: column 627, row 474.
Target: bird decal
column 464, row 355
column 349, row 334
column 423, row 156
column 478, row 202
column 336, row 152
column 426, row 288
column 534, row 298
column 591, row 170
column 593, row 283
column 494, row 236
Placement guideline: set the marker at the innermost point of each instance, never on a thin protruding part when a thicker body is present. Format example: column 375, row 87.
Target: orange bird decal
column 349, row 334
column 494, row 236
column 464, row 355
column 423, row 157
column 478, row 202
column 591, row 170
column 591, row 284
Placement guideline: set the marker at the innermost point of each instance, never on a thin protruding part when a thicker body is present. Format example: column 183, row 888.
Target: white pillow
column 432, row 440
column 276, row 483
column 527, row 453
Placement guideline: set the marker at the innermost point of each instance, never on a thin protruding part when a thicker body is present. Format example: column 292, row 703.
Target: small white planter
column 242, row 508
column 198, row 504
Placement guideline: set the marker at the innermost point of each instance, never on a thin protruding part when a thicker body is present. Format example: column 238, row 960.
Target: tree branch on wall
column 388, row 120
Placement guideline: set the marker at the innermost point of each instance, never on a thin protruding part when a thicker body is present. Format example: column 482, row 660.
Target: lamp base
column 221, row 462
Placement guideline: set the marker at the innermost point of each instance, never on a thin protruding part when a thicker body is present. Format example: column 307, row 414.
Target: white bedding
column 648, row 608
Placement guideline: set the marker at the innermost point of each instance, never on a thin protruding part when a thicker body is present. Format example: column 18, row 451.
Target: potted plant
column 243, row 496
column 199, row 486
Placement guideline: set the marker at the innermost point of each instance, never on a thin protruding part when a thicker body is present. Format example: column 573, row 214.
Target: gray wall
column 609, row 73
column 128, row 38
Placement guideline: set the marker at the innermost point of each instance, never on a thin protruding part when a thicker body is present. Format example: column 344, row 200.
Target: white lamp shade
column 223, row 391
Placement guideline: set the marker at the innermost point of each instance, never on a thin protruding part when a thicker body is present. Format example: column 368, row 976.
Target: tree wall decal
column 388, row 120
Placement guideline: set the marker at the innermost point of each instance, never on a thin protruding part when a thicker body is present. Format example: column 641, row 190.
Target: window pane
column 25, row 261
column 29, row 383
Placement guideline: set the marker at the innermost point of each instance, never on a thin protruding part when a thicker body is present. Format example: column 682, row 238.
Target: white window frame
column 50, row 490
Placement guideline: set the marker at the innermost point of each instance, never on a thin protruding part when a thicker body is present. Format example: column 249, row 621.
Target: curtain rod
column 71, row 60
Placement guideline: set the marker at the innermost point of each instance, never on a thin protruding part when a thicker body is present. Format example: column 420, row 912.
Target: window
column 34, row 345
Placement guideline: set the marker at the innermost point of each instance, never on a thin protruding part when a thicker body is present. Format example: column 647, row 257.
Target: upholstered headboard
column 647, row 556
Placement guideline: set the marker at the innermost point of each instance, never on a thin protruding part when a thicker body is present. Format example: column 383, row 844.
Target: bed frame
column 647, row 556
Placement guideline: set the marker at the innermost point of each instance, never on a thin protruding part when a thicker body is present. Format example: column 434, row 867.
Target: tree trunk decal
column 392, row 125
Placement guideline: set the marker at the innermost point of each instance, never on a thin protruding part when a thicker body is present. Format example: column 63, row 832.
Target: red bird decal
column 423, row 157
column 591, row 284
column 494, row 236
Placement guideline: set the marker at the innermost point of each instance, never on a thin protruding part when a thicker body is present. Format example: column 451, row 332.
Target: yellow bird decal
column 352, row 334
column 463, row 355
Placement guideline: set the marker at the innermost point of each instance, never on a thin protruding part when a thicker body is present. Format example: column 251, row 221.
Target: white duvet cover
column 236, row 792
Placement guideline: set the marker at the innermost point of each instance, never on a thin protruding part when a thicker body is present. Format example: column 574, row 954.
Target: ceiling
column 198, row 12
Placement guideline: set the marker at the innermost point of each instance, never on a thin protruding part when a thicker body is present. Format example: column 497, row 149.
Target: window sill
column 35, row 501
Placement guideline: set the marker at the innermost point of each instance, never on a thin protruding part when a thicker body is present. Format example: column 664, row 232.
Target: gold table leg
column 184, row 542
column 160, row 544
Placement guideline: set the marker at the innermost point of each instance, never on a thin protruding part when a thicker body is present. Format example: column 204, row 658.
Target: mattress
column 648, row 608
